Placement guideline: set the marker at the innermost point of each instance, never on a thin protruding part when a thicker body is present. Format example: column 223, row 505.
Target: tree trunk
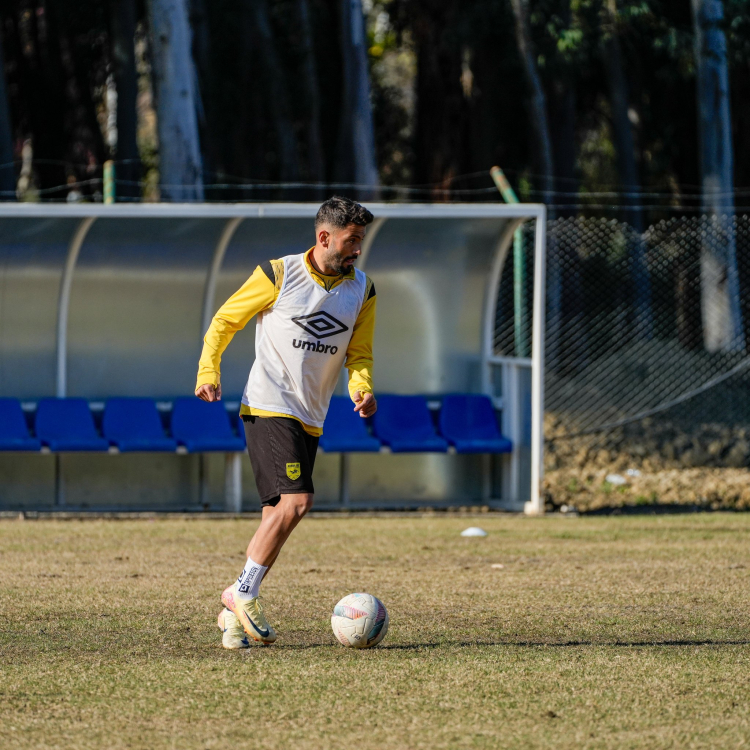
column 356, row 152
column 42, row 73
column 621, row 125
column 537, row 102
column 7, row 168
column 277, row 100
column 720, row 298
column 562, row 109
column 316, row 161
column 626, row 166
column 687, row 301
column 570, row 287
column 180, row 167
column 128, row 168
column 244, row 144
column 204, row 78
column 438, row 141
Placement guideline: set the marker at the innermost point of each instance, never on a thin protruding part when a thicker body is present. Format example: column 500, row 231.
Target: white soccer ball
column 360, row 621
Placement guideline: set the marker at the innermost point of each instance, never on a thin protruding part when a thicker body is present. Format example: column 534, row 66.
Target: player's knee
column 301, row 504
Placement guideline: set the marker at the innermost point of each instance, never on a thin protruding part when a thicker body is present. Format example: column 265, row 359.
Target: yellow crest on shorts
column 293, row 471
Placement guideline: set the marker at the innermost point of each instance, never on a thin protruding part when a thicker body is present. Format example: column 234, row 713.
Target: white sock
column 248, row 584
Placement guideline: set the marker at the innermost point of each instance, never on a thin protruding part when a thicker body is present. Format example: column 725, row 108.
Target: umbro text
column 311, row 346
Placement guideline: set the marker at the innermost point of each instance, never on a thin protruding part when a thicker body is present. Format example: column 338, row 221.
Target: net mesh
column 645, row 332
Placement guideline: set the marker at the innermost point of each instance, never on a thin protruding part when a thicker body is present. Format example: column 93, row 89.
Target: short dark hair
column 338, row 212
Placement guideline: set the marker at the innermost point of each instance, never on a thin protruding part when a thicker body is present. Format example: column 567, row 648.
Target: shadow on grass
column 687, row 643
column 564, row 644
column 650, row 509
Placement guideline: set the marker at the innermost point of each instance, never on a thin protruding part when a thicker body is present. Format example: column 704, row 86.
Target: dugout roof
column 113, row 300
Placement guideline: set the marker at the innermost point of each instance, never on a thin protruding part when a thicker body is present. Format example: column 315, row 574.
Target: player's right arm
column 257, row 294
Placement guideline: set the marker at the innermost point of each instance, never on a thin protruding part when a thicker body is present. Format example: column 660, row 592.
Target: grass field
column 597, row 632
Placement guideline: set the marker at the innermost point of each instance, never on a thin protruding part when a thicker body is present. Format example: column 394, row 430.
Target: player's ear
column 324, row 237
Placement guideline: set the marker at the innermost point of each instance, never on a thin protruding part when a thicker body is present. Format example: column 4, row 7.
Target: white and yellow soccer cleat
column 233, row 634
column 250, row 615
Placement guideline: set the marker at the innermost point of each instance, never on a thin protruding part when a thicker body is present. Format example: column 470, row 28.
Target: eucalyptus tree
column 720, row 290
column 261, row 36
column 7, row 170
column 356, row 141
column 537, row 99
column 180, row 163
column 315, row 155
column 622, row 117
column 122, row 30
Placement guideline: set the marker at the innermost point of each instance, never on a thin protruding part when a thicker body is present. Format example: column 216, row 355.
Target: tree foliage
column 448, row 91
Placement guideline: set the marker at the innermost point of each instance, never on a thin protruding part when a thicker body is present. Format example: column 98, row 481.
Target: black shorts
column 282, row 455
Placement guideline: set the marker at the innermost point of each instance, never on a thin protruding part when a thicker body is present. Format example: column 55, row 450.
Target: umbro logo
column 320, row 324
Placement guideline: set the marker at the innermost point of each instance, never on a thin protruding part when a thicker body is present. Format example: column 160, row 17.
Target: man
column 316, row 312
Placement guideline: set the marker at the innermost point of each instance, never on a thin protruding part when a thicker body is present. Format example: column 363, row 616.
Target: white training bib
column 301, row 342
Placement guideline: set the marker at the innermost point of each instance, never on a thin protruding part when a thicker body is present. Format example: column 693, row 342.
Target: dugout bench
column 104, row 301
column 457, row 423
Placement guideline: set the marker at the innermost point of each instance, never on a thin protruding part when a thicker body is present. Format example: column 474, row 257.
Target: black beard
column 338, row 266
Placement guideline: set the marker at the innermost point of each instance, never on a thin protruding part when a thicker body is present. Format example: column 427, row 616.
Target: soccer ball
column 359, row 621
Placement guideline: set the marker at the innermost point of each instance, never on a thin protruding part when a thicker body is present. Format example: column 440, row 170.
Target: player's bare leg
column 276, row 524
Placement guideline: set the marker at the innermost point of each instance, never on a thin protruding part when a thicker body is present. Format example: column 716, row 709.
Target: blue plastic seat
column 203, row 427
column 133, row 424
column 14, row 434
column 469, row 423
column 345, row 431
column 404, row 424
column 66, row 424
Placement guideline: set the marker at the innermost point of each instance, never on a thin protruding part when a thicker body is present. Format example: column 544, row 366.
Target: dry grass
column 597, row 632
column 587, row 489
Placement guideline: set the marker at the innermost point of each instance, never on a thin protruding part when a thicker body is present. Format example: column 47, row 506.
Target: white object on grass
column 497, row 566
column 616, row 479
column 473, row 531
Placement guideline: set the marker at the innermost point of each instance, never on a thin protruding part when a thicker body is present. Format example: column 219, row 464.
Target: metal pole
column 490, row 302
column 59, row 482
column 233, row 483
column 519, row 296
column 372, row 233
column 64, row 303
column 209, row 291
column 519, row 268
column 536, row 505
column 512, row 429
column 486, row 459
column 233, row 468
column 344, row 498
column 488, row 345
column 204, row 487
column 370, row 236
column 109, row 181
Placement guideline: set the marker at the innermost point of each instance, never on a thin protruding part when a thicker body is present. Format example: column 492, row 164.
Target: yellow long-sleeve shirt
column 260, row 293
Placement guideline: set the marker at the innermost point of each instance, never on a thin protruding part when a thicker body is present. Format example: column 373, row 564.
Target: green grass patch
column 624, row 632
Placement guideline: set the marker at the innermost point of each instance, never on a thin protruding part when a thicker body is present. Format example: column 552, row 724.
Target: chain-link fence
column 646, row 356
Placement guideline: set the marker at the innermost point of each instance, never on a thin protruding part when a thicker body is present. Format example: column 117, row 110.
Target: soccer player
column 315, row 312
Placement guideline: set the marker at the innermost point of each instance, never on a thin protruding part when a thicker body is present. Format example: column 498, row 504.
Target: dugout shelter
column 103, row 301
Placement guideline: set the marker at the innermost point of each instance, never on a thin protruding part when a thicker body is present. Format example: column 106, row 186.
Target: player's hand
column 208, row 392
column 365, row 404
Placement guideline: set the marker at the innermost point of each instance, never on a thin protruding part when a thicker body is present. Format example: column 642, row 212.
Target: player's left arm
column 359, row 356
